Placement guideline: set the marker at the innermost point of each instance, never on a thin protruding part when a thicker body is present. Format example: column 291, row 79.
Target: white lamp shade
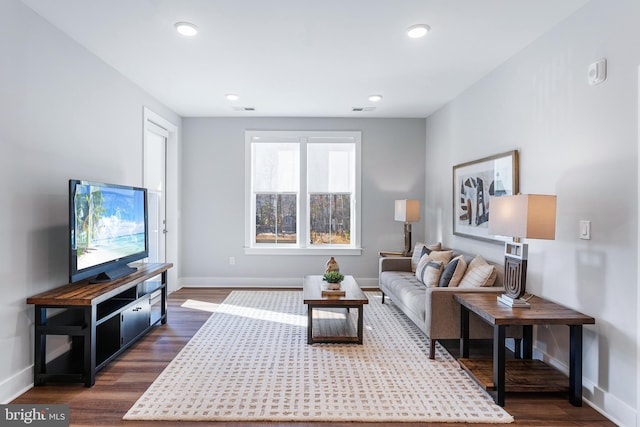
column 407, row 210
column 523, row 216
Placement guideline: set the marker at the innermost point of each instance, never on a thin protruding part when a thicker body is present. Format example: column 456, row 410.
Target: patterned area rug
column 250, row 362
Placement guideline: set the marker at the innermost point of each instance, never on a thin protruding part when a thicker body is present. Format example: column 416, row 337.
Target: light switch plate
column 585, row 230
column 597, row 72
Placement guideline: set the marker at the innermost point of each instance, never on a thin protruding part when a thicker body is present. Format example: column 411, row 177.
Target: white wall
column 63, row 114
column 213, row 199
column 576, row 141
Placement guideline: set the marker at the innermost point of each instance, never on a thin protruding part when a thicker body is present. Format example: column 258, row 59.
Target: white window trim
column 301, row 248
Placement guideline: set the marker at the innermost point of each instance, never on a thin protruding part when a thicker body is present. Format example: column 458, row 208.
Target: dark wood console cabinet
column 102, row 320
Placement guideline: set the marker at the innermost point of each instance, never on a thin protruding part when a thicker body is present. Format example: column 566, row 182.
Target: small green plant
column 333, row 277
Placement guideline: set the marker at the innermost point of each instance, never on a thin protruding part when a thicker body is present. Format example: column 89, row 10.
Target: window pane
column 276, row 218
column 330, row 217
column 331, row 168
column 276, row 167
column 287, row 210
column 265, row 218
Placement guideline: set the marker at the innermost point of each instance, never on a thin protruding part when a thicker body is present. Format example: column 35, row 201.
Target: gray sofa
column 433, row 309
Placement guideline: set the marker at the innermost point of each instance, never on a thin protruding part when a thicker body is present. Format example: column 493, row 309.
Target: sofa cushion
column 417, row 252
column 453, row 272
column 443, row 256
column 479, row 274
column 432, row 272
column 425, row 251
column 406, row 291
column 420, row 268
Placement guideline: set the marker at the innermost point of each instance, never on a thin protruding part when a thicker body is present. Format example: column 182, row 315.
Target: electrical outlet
column 232, row 260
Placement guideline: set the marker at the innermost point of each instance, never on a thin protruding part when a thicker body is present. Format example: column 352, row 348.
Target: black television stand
column 102, row 320
column 113, row 274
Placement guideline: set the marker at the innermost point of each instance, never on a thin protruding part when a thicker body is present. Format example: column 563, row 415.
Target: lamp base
column 515, row 269
column 407, row 239
column 513, row 302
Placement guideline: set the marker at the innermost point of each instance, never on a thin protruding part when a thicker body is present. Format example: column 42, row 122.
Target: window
column 303, row 192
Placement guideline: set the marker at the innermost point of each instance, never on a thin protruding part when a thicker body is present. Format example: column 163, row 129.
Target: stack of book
column 333, row 293
column 513, row 302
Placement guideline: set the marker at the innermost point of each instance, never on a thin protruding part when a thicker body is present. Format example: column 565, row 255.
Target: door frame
column 637, row 264
column 171, row 193
column 151, row 129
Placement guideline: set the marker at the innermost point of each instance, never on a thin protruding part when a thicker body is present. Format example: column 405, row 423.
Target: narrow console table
column 522, row 374
column 102, row 320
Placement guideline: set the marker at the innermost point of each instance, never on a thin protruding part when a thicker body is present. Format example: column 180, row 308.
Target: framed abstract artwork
column 473, row 185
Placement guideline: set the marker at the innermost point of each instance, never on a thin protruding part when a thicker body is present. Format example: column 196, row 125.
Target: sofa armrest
column 394, row 263
column 442, row 317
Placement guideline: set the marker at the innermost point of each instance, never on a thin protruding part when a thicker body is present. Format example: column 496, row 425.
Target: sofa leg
column 432, row 349
column 382, row 296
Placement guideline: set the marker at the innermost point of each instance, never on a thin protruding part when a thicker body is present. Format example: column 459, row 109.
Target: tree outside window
column 276, row 218
column 330, row 219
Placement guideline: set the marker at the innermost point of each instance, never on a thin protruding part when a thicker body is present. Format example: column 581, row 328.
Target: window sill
column 303, row 251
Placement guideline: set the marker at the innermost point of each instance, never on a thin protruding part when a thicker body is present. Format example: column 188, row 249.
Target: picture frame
column 473, row 184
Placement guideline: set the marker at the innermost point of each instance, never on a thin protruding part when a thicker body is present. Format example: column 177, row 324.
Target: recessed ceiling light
column 186, row 29
column 418, row 30
column 232, row 97
column 375, row 98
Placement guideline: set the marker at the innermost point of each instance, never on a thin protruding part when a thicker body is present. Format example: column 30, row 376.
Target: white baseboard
column 608, row 405
column 16, row 384
column 258, row 282
column 603, row 402
column 19, row 383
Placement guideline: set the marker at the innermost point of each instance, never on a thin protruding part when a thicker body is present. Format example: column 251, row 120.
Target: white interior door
column 155, row 161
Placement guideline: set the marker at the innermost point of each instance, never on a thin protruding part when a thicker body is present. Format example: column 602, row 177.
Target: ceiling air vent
column 244, row 108
column 359, row 109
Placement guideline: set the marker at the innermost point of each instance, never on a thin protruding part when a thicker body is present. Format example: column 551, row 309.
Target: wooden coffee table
column 334, row 328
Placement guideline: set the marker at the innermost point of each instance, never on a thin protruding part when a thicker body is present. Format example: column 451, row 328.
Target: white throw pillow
column 443, row 256
column 422, row 264
column 479, row 274
column 417, row 252
column 432, row 272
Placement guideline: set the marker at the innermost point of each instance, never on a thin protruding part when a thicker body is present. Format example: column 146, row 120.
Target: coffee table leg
column 499, row 363
column 309, row 324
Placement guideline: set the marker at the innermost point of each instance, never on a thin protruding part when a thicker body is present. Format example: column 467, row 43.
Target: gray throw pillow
column 447, row 274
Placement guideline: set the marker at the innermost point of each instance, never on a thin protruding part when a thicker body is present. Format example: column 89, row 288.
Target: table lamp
column 531, row 216
column 407, row 211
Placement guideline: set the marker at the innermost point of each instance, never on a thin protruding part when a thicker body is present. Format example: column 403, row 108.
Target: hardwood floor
column 120, row 384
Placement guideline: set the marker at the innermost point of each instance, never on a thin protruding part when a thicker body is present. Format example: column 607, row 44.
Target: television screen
column 108, row 229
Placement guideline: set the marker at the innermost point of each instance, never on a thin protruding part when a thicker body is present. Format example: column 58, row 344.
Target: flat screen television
column 108, row 229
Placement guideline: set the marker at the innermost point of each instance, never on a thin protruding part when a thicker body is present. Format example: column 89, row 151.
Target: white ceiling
column 304, row 58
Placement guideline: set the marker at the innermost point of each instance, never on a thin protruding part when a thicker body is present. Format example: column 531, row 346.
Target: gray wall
column 63, row 114
column 581, row 143
column 213, row 198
